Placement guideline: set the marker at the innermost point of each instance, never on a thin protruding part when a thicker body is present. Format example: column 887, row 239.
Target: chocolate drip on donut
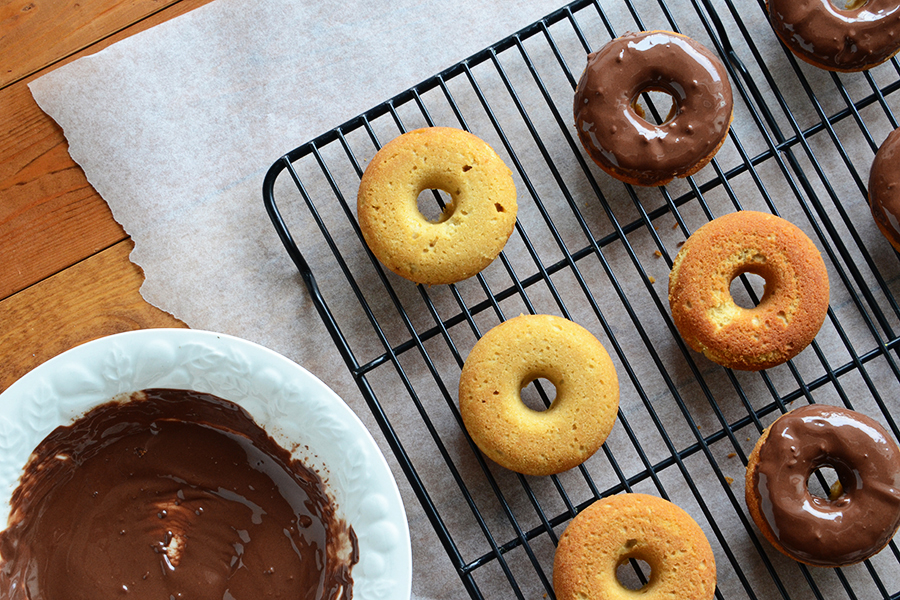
column 824, row 531
column 173, row 494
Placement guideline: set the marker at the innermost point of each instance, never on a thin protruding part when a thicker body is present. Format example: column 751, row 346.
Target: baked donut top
column 474, row 225
column 824, row 531
column 838, row 39
column 613, row 130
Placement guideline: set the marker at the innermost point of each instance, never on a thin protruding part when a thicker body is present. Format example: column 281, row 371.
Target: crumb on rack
column 657, row 253
column 729, row 480
column 732, row 454
column 652, row 279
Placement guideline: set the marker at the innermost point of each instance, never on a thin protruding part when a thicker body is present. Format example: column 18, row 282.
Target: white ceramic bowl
column 292, row 405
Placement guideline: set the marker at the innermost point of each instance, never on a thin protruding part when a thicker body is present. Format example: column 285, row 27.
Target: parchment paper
column 175, row 128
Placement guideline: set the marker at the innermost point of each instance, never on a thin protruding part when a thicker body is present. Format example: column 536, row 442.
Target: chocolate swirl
column 838, row 39
column 614, row 133
column 844, row 530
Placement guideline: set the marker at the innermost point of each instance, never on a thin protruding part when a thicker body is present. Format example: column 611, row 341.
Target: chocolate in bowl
column 175, row 494
column 295, row 410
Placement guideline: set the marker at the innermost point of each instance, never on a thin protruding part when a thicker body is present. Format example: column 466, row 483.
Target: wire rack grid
column 598, row 252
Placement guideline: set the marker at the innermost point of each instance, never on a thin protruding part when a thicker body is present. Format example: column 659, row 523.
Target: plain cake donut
column 512, row 355
column 610, row 123
column 884, row 188
column 617, row 528
column 790, row 312
column 861, row 514
column 474, row 225
column 838, row 39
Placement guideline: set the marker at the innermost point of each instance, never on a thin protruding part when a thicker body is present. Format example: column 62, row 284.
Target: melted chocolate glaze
column 614, row 133
column 172, row 494
column 819, row 531
column 884, row 188
column 838, row 39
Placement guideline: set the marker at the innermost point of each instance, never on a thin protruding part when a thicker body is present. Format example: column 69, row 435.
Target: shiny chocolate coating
column 614, row 133
column 884, row 188
column 820, row 531
column 171, row 495
column 838, row 39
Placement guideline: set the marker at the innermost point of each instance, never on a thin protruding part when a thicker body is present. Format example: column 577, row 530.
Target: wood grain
column 37, row 33
column 50, row 216
column 95, row 298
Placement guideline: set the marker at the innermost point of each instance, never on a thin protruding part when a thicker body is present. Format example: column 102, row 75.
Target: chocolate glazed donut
column 838, row 39
column 884, row 188
column 611, row 126
column 859, row 518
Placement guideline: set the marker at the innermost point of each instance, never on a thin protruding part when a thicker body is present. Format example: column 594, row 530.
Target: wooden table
column 65, row 276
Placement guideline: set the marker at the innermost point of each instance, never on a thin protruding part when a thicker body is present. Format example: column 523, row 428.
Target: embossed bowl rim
column 296, row 409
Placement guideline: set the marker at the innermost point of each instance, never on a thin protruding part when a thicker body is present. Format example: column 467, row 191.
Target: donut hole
column 435, row 205
column 538, row 394
column 848, row 4
column 747, row 289
column 633, row 574
column 825, row 483
column 651, row 104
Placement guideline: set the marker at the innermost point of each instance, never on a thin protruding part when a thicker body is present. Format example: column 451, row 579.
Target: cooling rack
column 597, row 251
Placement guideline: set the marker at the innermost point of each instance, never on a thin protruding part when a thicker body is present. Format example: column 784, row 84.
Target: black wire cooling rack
column 598, row 252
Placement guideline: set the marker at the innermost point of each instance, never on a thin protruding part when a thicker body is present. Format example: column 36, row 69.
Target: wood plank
column 50, row 216
column 37, row 33
column 95, row 298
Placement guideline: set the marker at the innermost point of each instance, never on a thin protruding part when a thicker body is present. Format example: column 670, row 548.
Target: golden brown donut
column 512, row 355
column 614, row 529
column 838, row 39
column 610, row 123
column 790, row 312
column 862, row 512
column 475, row 224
